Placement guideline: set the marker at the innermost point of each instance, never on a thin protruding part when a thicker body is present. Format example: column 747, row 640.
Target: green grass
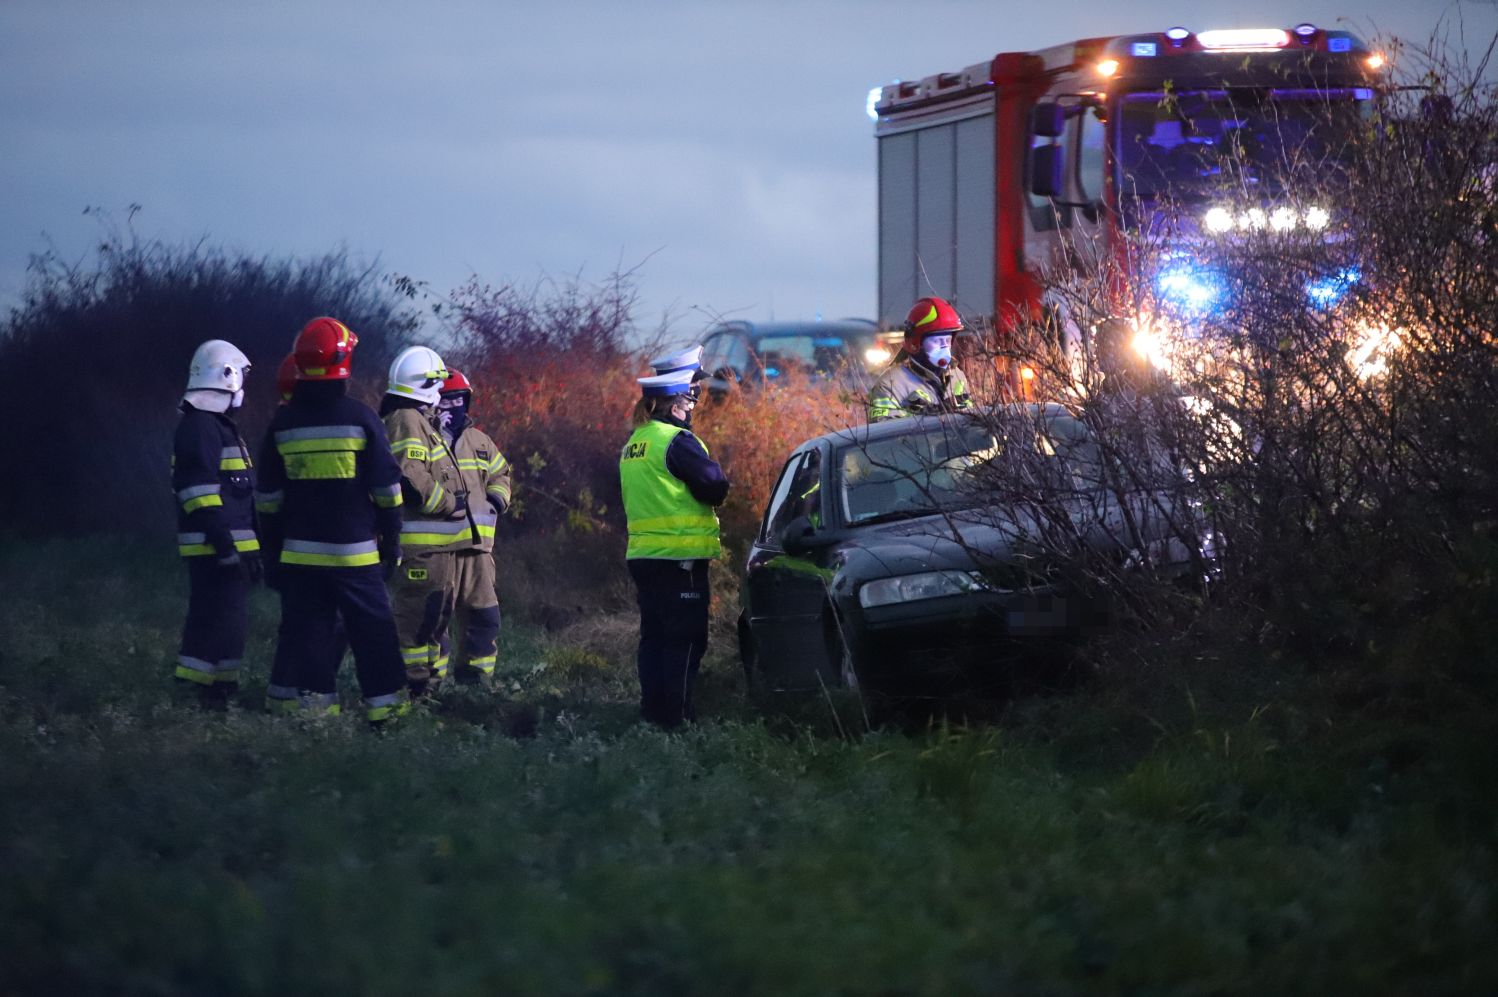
column 1228, row 830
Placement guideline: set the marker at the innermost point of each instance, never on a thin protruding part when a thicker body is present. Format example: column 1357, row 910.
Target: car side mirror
column 799, row 536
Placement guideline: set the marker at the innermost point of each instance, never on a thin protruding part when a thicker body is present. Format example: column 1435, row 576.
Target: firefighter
column 437, row 521
column 329, row 499
column 671, row 486
column 924, row 379
column 214, row 480
column 291, row 698
column 486, row 479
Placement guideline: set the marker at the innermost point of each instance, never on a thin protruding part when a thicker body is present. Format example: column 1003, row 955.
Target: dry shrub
column 752, row 431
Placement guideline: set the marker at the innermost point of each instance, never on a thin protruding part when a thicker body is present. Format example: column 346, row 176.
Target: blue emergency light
column 1145, row 50
column 1343, row 44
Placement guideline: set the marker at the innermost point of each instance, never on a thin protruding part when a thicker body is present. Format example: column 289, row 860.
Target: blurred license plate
column 1039, row 612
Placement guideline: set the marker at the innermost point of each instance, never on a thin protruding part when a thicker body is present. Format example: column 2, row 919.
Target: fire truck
column 998, row 174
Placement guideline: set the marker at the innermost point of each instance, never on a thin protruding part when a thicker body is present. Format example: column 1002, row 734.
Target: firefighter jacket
column 215, row 482
column 909, row 387
column 330, row 492
column 430, row 482
column 485, row 473
column 670, row 486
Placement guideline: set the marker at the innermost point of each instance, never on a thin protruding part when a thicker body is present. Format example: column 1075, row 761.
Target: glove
column 460, row 505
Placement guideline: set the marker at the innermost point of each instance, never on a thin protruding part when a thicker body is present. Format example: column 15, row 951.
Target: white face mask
column 938, row 351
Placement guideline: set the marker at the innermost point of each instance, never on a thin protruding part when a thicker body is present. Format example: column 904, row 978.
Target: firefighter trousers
column 422, row 596
column 313, row 601
column 673, row 598
column 213, row 635
column 475, row 613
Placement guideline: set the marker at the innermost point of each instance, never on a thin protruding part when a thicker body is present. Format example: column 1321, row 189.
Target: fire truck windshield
column 1191, row 145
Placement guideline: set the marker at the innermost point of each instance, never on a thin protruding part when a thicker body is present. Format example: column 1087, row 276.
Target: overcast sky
column 724, row 147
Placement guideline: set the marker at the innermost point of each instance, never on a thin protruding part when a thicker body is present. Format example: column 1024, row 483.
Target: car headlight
column 913, row 588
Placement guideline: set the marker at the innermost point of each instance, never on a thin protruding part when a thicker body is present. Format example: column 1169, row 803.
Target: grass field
column 1235, row 826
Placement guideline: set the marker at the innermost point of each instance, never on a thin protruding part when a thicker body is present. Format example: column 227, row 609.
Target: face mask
column 938, row 351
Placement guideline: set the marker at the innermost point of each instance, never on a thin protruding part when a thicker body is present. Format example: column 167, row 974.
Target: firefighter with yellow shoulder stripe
column 924, row 380
column 215, row 482
column 436, row 519
column 329, row 499
column 671, row 487
column 486, row 481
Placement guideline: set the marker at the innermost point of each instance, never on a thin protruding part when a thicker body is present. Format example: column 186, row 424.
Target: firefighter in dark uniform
column 924, row 379
column 214, row 481
column 486, row 482
column 329, row 499
column 671, row 487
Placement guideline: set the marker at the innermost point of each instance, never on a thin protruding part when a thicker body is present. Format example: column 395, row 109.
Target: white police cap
column 677, row 382
column 688, row 359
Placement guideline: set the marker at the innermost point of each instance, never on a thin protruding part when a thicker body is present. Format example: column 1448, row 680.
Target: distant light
column 1178, row 36
column 1375, row 61
column 1282, row 218
column 873, row 102
column 1317, row 218
column 1107, row 67
column 1363, row 93
column 1237, row 39
column 876, row 355
column 1218, row 219
column 1253, row 218
column 1327, row 291
column 1305, row 30
column 1191, row 288
column 1027, row 373
column 1340, row 44
column 1143, row 50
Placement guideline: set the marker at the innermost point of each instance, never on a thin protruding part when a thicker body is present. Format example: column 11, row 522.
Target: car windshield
column 948, row 466
column 823, row 354
column 912, row 475
column 1189, row 144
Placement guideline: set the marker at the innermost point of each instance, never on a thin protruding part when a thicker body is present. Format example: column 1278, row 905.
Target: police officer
column 924, row 379
column 213, row 477
column 486, row 480
column 436, row 514
column 671, row 486
column 329, row 499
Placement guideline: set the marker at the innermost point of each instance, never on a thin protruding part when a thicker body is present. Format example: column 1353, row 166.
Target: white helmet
column 417, row 372
column 218, row 366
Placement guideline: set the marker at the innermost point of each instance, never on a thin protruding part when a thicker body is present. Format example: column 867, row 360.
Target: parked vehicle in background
column 883, row 558
column 754, row 353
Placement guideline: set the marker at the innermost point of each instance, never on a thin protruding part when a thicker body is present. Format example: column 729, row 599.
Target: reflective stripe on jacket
column 486, row 478
column 910, row 388
column 665, row 521
column 214, row 482
column 432, row 477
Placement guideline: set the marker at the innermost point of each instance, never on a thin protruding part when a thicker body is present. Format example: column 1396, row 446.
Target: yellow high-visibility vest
column 665, row 521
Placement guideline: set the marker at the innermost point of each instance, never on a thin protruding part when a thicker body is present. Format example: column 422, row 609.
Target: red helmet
column 323, row 350
column 456, row 382
column 931, row 317
column 286, row 377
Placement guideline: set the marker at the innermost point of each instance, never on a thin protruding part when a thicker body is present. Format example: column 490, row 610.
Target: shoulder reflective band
column 233, row 459
column 329, row 555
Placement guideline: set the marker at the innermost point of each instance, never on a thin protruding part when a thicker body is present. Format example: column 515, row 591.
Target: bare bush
column 94, row 360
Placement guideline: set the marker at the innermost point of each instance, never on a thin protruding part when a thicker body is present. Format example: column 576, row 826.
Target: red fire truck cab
column 994, row 175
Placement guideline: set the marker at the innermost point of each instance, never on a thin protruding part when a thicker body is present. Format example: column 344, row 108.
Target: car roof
column 841, row 328
column 911, row 425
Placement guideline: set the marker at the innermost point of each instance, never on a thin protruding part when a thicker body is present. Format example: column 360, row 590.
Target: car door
column 786, row 593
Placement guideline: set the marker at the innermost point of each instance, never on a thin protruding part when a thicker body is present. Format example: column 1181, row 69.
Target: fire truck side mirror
column 1048, row 119
column 1045, row 170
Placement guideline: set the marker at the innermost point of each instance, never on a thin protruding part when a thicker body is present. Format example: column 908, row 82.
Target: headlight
column 874, row 356
column 913, row 588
